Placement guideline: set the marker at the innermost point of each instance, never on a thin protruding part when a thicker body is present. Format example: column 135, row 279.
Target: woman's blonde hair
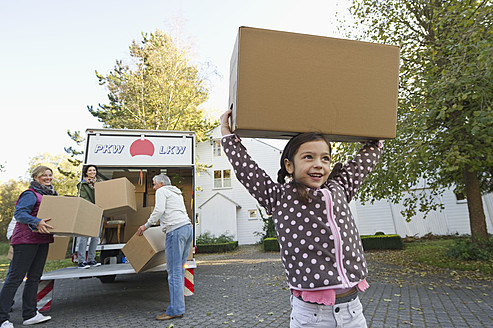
column 38, row 171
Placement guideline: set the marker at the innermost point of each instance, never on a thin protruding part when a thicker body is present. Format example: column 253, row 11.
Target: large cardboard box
column 71, row 216
column 135, row 220
column 115, row 196
column 58, row 249
column 146, row 251
column 285, row 83
column 138, row 179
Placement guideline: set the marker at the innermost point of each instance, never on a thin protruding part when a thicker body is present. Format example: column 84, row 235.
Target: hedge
column 271, row 244
column 217, row 248
column 369, row 242
column 382, row 242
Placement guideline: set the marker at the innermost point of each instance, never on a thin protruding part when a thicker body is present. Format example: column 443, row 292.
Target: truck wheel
column 109, row 278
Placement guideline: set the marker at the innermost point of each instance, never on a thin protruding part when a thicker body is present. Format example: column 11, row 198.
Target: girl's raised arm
column 352, row 174
column 248, row 173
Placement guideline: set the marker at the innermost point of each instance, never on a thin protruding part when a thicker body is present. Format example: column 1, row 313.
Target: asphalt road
column 246, row 288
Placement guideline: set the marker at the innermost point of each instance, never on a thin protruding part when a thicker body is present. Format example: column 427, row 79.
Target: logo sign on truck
column 115, row 150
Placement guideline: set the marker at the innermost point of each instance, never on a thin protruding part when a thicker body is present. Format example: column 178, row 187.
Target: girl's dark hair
column 86, row 167
column 288, row 153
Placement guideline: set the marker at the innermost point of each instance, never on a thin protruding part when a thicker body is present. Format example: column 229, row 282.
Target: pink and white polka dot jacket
column 320, row 244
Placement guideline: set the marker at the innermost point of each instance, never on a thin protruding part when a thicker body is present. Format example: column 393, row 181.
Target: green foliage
column 445, row 116
column 159, row 89
column 271, row 244
column 465, row 249
column 217, row 247
column 435, row 253
column 268, row 229
column 208, row 238
column 382, row 242
column 75, row 158
column 4, row 248
column 9, row 192
column 64, row 184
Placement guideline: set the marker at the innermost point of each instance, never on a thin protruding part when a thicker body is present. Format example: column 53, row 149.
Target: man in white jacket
column 170, row 212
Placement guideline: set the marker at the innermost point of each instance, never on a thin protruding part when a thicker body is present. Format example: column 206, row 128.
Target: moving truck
column 127, row 160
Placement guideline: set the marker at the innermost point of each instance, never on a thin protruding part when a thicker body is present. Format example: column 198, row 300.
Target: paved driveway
column 246, row 288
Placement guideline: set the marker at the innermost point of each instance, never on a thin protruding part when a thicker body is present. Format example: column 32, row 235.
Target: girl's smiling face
column 311, row 164
column 91, row 172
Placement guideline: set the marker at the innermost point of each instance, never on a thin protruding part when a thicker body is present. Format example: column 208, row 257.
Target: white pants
column 346, row 315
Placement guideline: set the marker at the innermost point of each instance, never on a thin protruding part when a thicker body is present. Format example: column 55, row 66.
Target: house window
column 252, row 214
column 222, row 178
column 216, row 143
column 460, row 197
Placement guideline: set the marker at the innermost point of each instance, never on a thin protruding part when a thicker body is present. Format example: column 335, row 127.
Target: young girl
column 321, row 249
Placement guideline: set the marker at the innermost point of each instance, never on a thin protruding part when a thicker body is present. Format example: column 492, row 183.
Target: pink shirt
column 326, row 296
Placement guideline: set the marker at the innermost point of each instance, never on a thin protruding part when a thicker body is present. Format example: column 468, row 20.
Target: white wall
column 267, row 158
column 215, row 217
column 454, row 219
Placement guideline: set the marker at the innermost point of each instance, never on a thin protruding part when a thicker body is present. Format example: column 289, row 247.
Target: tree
column 9, row 192
column 63, row 184
column 159, row 90
column 75, row 168
column 445, row 117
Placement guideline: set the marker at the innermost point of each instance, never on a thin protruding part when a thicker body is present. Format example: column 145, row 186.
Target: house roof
column 219, row 194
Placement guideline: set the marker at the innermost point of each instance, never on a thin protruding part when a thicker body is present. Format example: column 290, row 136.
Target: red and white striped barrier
column 45, row 295
column 189, row 287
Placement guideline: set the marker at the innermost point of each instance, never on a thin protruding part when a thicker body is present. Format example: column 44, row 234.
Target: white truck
column 137, row 155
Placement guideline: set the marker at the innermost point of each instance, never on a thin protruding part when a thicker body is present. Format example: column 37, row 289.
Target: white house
column 224, row 205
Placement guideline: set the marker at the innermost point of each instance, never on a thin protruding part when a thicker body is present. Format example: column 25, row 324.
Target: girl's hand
column 43, row 227
column 225, row 128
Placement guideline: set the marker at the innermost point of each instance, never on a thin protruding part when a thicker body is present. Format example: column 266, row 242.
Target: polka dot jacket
column 320, row 244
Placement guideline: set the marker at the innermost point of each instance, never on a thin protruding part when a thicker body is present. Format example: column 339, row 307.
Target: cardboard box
column 151, row 200
column 182, row 178
column 135, row 220
column 150, row 175
column 139, row 199
column 71, row 216
column 138, row 179
column 285, row 83
column 146, row 251
column 58, row 249
column 116, row 196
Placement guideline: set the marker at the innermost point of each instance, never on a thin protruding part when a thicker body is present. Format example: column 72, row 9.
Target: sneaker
column 7, row 324
column 93, row 263
column 83, row 265
column 36, row 319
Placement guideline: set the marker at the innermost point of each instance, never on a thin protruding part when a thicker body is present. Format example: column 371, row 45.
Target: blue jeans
column 28, row 259
column 81, row 249
column 177, row 247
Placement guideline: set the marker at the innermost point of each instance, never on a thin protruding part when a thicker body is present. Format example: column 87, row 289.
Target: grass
column 434, row 253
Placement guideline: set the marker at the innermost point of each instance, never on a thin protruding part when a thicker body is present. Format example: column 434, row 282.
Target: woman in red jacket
column 30, row 241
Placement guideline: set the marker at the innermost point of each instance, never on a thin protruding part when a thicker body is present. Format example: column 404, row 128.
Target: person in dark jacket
column 30, row 241
column 86, row 191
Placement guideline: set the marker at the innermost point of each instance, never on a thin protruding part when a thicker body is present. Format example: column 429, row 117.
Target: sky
column 51, row 49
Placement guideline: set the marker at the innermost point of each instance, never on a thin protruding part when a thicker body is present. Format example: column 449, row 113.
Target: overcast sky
column 50, row 50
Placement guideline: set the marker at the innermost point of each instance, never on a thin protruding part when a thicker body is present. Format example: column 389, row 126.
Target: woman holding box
column 30, row 241
column 86, row 191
